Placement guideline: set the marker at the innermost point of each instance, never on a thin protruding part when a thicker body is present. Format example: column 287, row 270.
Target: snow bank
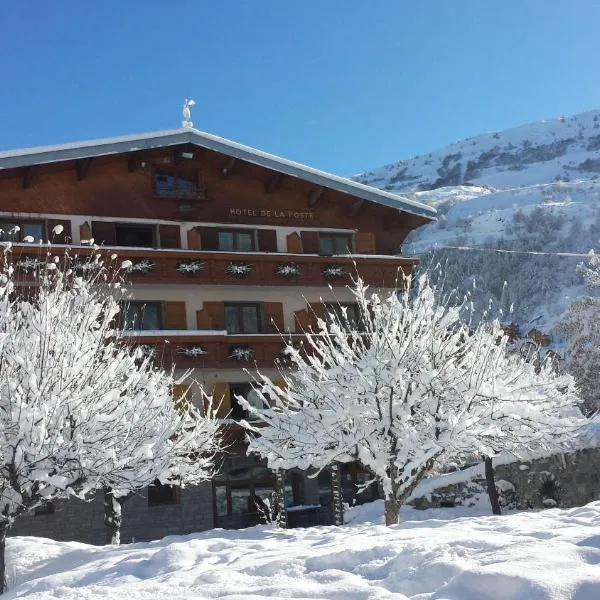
column 549, row 555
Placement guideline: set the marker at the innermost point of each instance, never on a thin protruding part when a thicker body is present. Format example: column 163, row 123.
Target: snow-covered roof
column 131, row 143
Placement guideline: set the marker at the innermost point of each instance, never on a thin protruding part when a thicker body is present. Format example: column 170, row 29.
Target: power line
column 499, row 250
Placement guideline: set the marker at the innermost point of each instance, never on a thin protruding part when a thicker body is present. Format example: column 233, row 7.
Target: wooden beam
column 355, row 208
column 27, row 173
column 82, row 167
column 227, row 168
column 315, row 196
column 273, row 183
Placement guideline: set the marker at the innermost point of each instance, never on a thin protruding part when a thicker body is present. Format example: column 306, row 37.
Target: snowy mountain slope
column 559, row 149
column 534, row 188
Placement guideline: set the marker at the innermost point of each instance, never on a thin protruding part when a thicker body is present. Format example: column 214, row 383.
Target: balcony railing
column 236, row 268
column 212, row 349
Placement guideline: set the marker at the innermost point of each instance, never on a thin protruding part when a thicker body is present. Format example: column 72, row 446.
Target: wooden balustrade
column 224, row 268
column 222, row 351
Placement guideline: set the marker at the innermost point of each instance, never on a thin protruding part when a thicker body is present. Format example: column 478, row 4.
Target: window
column 249, row 394
column 236, row 240
column 345, row 313
column 130, row 234
column 243, row 318
column 175, row 185
column 244, row 496
column 9, row 233
column 46, row 508
column 160, row 494
column 143, row 316
column 334, row 243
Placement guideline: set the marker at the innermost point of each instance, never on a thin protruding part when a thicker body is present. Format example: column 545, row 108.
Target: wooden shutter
column 85, row 232
column 209, row 238
column 104, row 233
column 310, row 242
column 181, row 395
column 302, row 321
column 365, row 242
column 221, row 399
column 267, row 240
column 273, row 317
column 169, row 236
column 294, row 243
column 174, row 315
column 203, row 320
column 64, row 237
column 316, row 310
column 194, row 240
column 216, row 311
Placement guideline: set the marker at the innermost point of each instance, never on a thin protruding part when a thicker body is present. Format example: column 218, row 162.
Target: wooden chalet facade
column 230, row 249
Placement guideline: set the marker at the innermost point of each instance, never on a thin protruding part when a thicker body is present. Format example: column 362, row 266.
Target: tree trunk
column 391, row 509
column 113, row 517
column 491, row 486
column 3, row 583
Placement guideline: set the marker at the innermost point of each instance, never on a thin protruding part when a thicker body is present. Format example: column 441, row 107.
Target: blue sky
column 343, row 85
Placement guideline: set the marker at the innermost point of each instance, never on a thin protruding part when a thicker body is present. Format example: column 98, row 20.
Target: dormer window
column 175, row 184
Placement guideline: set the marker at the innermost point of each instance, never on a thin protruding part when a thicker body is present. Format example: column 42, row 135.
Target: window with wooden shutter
column 365, row 242
column 274, row 322
column 169, row 236
column 221, row 399
column 138, row 315
column 209, row 238
column 216, row 311
column 174, row 315
column 104, row 233
column 85, row 232
column 267, row 240
column 194, row 240
column 335, row 243
column 310, row 242
column 64, row 237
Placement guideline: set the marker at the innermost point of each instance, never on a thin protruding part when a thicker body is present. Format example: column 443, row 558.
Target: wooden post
column 336, row 491
column 282, row 517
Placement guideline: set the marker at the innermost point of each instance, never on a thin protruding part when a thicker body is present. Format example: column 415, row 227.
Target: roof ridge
column 121, row 144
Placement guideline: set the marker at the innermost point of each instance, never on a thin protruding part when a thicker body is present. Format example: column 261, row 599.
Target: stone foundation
column 563, row 480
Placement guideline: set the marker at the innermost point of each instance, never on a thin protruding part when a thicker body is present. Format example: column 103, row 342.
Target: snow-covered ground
column 435, row 554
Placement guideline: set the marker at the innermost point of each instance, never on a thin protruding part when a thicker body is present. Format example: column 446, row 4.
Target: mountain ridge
column 531, row 188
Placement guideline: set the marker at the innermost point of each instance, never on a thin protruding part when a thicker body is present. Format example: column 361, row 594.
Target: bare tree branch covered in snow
column 79, row 410
column 417, row 386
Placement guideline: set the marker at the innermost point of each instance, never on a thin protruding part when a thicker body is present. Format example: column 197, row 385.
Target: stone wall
column 76, row 520
column 563, row 480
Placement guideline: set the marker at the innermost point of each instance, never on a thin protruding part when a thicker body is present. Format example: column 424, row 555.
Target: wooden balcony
column 212, row 349
column 235, row 268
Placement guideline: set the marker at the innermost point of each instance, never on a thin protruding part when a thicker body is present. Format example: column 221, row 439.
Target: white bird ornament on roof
column 187, row 113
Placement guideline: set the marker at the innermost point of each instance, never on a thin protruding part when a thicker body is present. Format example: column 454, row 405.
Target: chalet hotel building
column 230, row 249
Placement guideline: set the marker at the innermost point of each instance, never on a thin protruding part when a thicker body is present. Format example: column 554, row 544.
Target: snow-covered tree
column 580, row 325
column 415, row 387
column 80, row 410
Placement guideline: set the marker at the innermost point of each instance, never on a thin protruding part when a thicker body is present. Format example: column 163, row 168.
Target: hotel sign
column 272, row 213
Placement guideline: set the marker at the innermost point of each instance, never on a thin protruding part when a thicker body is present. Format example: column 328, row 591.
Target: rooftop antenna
column 187, row 114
